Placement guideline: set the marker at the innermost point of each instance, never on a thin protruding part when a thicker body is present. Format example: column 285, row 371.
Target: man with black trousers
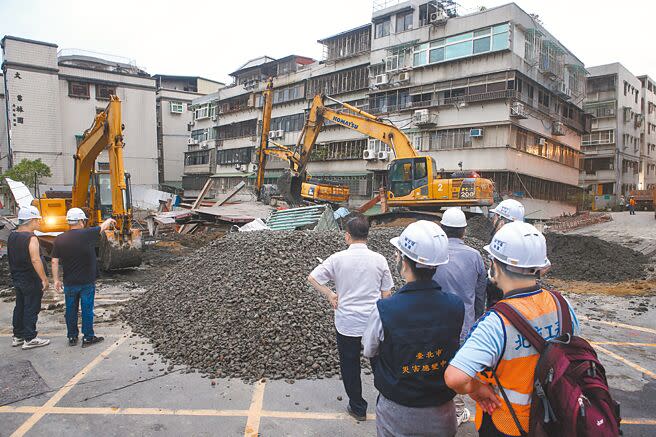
column 361, row 277
column 76, row 249
column 29, row 277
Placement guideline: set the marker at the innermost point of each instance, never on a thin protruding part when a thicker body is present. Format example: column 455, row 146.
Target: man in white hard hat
column 76, row 251
column 464, row 275
column 361, row 276
column 414, row 334
column 28, row 276
column 507, row 211
column 518, row 253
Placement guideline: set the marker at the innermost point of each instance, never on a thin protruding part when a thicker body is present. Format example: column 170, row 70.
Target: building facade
column 52, row 97
column 492, row 91
column 174, row 118
column 647, row 174
column 620, row 136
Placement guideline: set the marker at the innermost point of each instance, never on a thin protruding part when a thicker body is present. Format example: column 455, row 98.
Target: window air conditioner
column 421, row 116
column 404, row 76
column 381, row 79
column 368, row 154
column 476, row 133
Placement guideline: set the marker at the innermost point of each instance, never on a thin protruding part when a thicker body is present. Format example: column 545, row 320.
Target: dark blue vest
column 421, row 325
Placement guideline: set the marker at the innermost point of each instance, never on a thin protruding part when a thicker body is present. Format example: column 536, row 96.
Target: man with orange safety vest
column 495, row 353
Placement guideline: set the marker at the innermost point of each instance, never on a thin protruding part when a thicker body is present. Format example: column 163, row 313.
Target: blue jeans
column 76, row 296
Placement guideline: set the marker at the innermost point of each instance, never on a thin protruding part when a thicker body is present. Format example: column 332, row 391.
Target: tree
column 26, row 170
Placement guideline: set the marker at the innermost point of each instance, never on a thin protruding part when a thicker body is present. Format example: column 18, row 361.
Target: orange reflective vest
column 516, row 367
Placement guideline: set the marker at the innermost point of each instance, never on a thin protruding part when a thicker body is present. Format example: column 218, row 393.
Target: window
column 288, row 123
column 339, row 150
column 339, row 82
column 104, row 91
column 237, row 130
column 463, row 45
column 202, row 111
column 382, row 28
column 177, row 107
column 543, row 98
column 78, row 89
column 197, row 157
column 241, row 155
column 199, row 135
column 598, row 137
column 290, row 93
column 530, row 92
column 403, row 22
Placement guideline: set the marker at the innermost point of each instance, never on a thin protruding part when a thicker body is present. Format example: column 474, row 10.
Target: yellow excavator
column 413, row 180
column 309, row 190
column 99, row 194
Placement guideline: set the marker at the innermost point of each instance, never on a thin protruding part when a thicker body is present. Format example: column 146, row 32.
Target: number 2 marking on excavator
column 439, row 187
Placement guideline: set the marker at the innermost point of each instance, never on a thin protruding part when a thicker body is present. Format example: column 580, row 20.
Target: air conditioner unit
column 191, row 141
column 276, row 134
column 383, row 155
column 204, row 146
column 542, row 141
column 381, row 79
column 242, row 167
column 252, row 167
column 438, row 17
column 558, row 128
column 404, row 76
column 214, row 118
column 476, row 133
column 369, row 154
column 421, row 116
column 517, row 110
column 280, row 133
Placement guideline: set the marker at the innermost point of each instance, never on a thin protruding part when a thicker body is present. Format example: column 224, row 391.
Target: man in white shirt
column 361, row 277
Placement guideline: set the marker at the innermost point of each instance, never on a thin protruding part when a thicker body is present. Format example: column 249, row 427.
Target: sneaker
column 463, row 417
column 93, row 340
column 16, row 341
column 356, row 416
column 72, row 341
column 35, row 342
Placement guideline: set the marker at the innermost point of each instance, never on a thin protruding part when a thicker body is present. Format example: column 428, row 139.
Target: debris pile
column 584, row 258
column 241, row 306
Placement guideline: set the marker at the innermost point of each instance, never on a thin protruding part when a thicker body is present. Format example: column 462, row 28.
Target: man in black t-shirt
column 76, row 250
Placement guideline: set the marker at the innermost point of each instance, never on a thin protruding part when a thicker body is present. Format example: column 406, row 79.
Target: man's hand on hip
column 44, row 284
column 332, row 298
column 59, row 286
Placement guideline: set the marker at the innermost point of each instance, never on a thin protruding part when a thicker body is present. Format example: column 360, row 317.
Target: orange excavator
column 100, row 194
column 310, row 191
column 413, row 179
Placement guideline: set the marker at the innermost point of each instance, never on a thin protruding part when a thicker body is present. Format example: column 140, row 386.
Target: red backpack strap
column 521, row 324
column 565, row 316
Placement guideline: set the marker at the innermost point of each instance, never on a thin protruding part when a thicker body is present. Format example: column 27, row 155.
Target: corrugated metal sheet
column 317, row 217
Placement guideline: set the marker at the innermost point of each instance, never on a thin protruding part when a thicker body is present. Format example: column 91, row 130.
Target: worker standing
column 76, row 249
column 361, row 276
column 507, row 211
column 414, row 334
column 464, row 275
column 496, row 356
column 29, row 278
column 632, row 204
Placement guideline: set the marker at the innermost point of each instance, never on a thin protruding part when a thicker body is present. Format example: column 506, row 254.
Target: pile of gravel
column 585, row 258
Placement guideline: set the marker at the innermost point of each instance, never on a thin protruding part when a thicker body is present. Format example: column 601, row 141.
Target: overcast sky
column 213, row 38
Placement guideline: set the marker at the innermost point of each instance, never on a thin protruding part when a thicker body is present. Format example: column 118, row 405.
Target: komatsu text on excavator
column 99, row 194
column 413, row 180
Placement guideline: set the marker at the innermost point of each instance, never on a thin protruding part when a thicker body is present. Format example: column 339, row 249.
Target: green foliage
column 25, row 170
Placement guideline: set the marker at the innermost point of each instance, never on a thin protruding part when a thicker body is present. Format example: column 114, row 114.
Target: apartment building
column 174, row 117
column 647, row 174
column 613, row 148
column 492, row 91
column 52, row 97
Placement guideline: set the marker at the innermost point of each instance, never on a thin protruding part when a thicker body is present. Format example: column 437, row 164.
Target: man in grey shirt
column 465, row 276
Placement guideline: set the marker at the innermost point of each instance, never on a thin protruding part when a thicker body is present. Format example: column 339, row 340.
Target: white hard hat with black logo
column 521, row 247
column 510, row 209
column 423, row 242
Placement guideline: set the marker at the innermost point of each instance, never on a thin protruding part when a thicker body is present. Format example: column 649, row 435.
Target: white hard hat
column 28, row 213
column 520, row 246
column 454, row 218
column 423, row 242
column 75, row 214
column 510, row 209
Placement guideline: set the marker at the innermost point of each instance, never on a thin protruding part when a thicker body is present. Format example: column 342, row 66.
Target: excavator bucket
column 289, row 187
column 117, row 252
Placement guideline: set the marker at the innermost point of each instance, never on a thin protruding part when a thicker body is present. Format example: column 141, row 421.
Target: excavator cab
column 408, row 174
column 103, row 193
